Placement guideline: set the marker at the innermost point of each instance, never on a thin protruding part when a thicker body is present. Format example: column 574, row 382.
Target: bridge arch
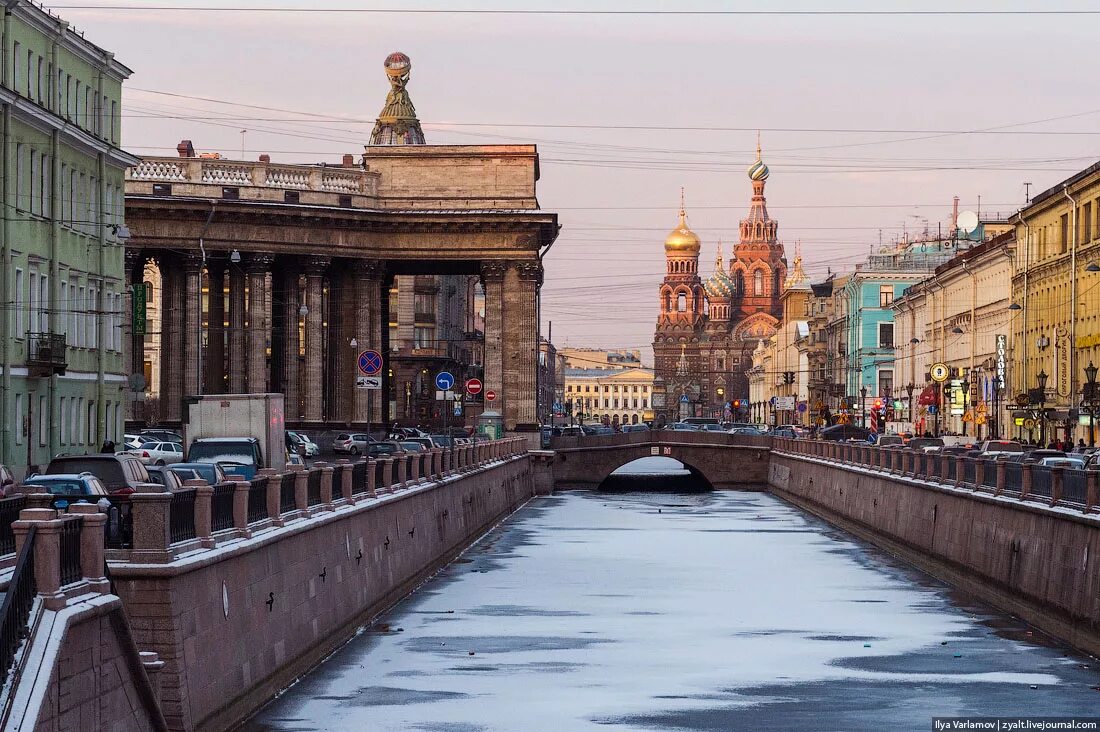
column 665, row 480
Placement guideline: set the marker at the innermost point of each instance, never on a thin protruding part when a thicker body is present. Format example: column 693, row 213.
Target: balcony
column 46, row 354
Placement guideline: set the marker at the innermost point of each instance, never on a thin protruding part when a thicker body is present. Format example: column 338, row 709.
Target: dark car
column 919, row 443
column 67, row 489
column 121, row 474
column 170, row 479
column 7, row 481
column 237, row 455
column 385, row 449
column 841, row 432
column 212, row 473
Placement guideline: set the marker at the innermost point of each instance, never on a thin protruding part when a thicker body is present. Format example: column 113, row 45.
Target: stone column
column 192, row 311
column 236, row 329
column 47, row 552
column 258, row 323
column 215, row 329
column 367, row 332
column 92, row 549
column 520, row 357
column 133, row 345
column 492, row 276
column 313, row 381
column 171, row 338
column 291, row 365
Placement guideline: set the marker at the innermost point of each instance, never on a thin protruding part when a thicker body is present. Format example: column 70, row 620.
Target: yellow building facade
column 611, row 396
column 1056, row 286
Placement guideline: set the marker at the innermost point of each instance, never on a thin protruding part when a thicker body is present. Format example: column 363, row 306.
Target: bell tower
column 758, row 266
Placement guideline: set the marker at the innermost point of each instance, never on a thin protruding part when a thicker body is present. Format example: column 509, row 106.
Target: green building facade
column 61, row 239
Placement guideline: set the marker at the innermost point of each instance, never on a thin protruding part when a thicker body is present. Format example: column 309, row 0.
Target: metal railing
column 9, row 512
column 221, row 507
column 181, row 516
column 257, row 499
column 120, row 523
column 286, row 492
column 1075, row 487
column 69, row 554
column 313, row 488
column 359, row 476
column 1041, row 481
column 18, row 600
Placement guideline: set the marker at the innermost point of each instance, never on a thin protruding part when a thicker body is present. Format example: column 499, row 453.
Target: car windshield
column 222, row 451
column 110, row 471
column 1004, row 447
column 60, row 487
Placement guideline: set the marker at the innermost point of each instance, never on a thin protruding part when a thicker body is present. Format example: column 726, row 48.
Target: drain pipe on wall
column 198, row 305
column 1072, row 314
column 1027, row 271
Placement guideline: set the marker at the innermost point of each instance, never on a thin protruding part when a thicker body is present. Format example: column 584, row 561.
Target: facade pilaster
column 291, row 365
column 214, row 362
column 520, row 336
column 492, row 276
column 236, row 329
column 171, row 340
column 192, row 303
column 368, row 295
column 259, row 265
column 313, row 384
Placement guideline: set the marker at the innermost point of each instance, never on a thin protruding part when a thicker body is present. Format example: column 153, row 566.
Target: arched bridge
column 722, row 460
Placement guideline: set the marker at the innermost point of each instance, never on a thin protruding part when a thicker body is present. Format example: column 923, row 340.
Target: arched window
column 681, row 302
column 739, row 283
column 775, row 281
column 758, row 282
column 668, row 301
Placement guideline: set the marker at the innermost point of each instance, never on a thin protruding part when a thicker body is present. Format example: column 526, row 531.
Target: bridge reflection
column 662, row 474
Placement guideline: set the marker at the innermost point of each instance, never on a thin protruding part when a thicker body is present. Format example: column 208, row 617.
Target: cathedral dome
column 719, row 286
column 759, row 171
column 682, row 240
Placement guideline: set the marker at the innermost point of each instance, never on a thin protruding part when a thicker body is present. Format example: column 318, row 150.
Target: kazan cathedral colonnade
column 707, row 330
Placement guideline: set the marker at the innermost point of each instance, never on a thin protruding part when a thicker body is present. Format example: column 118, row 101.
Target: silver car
column 351, row 443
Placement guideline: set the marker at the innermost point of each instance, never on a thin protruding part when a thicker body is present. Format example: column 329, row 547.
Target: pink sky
column 799, row 79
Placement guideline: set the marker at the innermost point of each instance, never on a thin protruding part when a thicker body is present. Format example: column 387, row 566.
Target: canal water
column 682, row 611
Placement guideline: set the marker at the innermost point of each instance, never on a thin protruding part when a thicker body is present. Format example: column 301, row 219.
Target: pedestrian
column 108, row 447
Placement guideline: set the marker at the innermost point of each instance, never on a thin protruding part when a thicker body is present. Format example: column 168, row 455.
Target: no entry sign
column 490, row 395
column 473, row 387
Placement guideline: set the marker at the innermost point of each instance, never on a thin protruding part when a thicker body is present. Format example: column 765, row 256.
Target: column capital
column 134, row 257
column 529, row 271
column 192, row 262
column 315, row 266
column 368, row 268
column 259, row 262
column 493, row 270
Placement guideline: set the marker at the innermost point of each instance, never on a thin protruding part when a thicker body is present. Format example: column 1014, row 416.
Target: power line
column 586, row 12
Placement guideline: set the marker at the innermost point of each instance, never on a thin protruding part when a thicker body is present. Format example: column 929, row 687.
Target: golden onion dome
column 682, row 240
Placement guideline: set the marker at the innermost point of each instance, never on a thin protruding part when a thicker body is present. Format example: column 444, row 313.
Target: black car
column 121, row 474
column 842, row 432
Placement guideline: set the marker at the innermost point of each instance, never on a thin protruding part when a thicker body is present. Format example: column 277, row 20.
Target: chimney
column 265, row 158
column 349, row 160
column 955, row 216
column 185, row 149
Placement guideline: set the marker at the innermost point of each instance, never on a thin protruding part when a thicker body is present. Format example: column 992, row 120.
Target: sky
column 870, row 124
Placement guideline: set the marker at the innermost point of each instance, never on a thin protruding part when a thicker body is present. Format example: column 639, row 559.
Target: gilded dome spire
column 682, row 240
column 397, row 123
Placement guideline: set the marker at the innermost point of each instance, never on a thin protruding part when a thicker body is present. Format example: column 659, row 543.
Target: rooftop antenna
column 243, row 132
column 1027, row 191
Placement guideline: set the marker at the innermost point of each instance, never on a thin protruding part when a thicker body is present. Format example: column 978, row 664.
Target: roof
column 594, row 373
column 1057, row 188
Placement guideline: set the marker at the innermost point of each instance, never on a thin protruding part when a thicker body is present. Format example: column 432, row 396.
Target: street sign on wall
column 140, row 292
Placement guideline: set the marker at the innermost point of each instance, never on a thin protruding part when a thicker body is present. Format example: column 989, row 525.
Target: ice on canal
column 706, row 611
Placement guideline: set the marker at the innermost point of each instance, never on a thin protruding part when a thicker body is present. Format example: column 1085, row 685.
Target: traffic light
column 788, row 377
column 736, row 403
column 878, row 404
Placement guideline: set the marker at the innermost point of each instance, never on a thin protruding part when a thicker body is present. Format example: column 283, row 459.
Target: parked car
column 165, row 476
column 306, row 447
column 921, row 443
column 120, row 474
column 995, row 448
column 572, row 431
column 135, row 441
column 412, row 446
column 682, row 427
column 238, row 455
column 161, row 435
column 426, row 442
column 1070, row 462
column 1034, row 456
column 71, row 488
column 777, row 432
column 385, row 449
column 7, row 481
column 841, row 432
column 159, row 453
column 443, row 440
column 351, row 443
column 640, row 427
column 212, row 473
column 890, row 441
column 751, row 431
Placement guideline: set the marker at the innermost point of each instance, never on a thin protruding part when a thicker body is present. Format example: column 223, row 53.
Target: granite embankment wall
column 1039, row 562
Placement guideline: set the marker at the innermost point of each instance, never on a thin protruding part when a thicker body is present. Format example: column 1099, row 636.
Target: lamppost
column 1041, row 397
column 863, row 406
column 1091, row 400
column 909, row 388
column 965, row 386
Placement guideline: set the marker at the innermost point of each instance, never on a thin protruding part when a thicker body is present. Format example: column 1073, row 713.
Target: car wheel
column 354, row 450
column 160, row 463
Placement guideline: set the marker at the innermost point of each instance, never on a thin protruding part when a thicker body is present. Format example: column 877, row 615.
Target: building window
column 1065, row 233
column 43, row 421
column 885, row 295
column 64, row 422
column 1086, row 223
column 423, row 337
column 681, row 302
column 885, row 335
column 33, row 302
column 886, row 383
column 17, row 312
column 20, row 427
column 758, row 283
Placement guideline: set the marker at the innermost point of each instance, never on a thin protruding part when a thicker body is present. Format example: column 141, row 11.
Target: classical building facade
column 959, row 317
column 1056, row 284
column 610, row 396
column 706, row 331
column 601, row 358
column 299, row 264
column 61, row 237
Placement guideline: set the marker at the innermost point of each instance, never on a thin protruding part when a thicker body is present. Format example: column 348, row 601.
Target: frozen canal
column 650, row 611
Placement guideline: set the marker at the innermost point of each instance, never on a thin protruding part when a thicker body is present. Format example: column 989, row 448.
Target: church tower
column 681, row 313
column 758, row 268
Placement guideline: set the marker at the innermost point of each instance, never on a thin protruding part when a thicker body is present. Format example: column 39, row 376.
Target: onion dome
column 682, row 240
column 758, row 171
column 719, row 286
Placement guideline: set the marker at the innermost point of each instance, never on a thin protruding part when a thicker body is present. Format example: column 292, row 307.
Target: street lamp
column 1041, row 377
column 863, row 405
column 965, row 386
column 909, row 392
column 1091, row 400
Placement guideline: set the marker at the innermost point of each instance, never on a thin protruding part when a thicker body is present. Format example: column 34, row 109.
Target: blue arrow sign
column 444, row 380
column 370, row 363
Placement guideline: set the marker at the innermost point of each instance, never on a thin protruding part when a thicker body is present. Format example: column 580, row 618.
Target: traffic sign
column 473, row 386
column 444, row 380
column 802, row 406
column 368, row 382
column 490, row 395
column 370, row 363
column 939, row 372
